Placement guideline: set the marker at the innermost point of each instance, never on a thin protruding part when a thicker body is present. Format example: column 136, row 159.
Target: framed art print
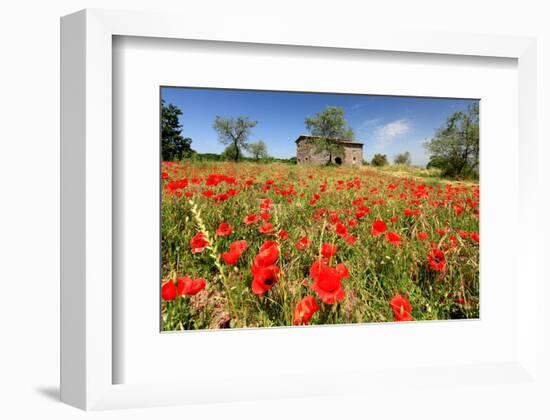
column 255, row 217
column 340, row 225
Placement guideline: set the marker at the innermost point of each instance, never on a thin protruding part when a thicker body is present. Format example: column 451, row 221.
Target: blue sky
column 385, row 124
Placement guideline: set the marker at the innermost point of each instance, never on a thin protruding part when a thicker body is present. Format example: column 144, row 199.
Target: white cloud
column 371, row 122
column 386, row 134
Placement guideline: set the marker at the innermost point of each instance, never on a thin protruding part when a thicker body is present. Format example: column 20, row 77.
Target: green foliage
column 235, row 132
column 455, row 146
column 231, row 152
column 174, row 145
column 379, row 160
column 403, row 159
column 329, row 125
column 258, row 150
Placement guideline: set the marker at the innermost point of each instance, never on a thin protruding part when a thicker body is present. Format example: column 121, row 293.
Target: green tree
column 174, row 145
column 329, row 125
column 234, row 132
column 379, row 160
column 455, row 147
column 403, row 159
column 230, row 153
column 258, row 150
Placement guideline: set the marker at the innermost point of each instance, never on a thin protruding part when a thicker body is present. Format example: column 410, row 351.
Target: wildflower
column 393, row 238
column 266, row 228
column 264, row 270
column 224, row 229
column 198, row 243
column 436, row 259
column 189, row 286
column 304, row 310
column 168, row 291
column 328, row 250
column 251, row 218
column 422, row 236
column 401, row 308
column 378, row 227
column 303, row 243
column 235, row 251
column 328, row 281
column 283, row 234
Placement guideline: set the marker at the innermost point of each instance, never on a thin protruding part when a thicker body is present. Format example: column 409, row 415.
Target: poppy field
column 247, row 245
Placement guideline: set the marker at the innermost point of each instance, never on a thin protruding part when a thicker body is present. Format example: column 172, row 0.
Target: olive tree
column 234, row 132
column 329, row 125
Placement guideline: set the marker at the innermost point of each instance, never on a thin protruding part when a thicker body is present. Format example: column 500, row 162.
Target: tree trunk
column 236, row 152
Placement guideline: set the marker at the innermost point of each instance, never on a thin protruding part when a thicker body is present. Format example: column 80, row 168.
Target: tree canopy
column 379, row 160
column 174, row 145
column 403, row 159
column 455, row 147
column 235, row 132
column 329, row 125
column 258, row 150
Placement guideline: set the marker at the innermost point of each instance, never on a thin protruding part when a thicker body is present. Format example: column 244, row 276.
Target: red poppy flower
column 328, row 250
column 303, row 243
column 266, row 203
column 422, row 236
column 378, row 227
column 283, row 234
column 198, row 243
column 169, row 291
column 350, row 239
column 436, row 259
column 268, row 254
column 188, row 286
column 342, row 270
column 264, row 278
column 235, row 251
column 208, row 193
column 328, row 281
column 474, row 236
column 341, row 229
column 224, row 229
column 393, row 238
column 409, row 212
column 304, row 310
column 458, row 209
column 164, row 175
column 251, row 218
column 266, row 227
column 463, row 234
column 401, row 308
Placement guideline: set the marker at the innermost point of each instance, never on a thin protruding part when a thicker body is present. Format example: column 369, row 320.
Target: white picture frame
column 86, row 204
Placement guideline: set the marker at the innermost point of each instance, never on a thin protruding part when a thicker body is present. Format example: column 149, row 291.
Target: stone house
column 305, row 152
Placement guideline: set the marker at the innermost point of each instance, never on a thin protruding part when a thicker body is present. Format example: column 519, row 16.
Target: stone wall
column 305, row 154
column 353, row 154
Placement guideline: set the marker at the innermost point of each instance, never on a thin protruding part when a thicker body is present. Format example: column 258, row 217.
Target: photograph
column 285, row 209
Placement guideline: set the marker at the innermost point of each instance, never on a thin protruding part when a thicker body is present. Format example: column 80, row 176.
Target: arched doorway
column 338, row 160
